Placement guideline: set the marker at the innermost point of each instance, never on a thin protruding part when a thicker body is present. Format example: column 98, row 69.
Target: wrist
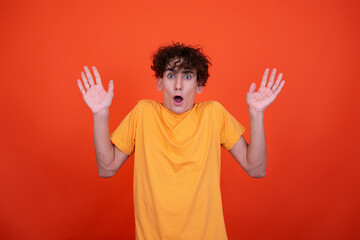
column 102, row 113
column 255, row 113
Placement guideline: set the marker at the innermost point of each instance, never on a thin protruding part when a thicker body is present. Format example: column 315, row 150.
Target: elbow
column 105, row 173
column 258, row 175
column 105, row 168
column 258, row 170
column 105, row 176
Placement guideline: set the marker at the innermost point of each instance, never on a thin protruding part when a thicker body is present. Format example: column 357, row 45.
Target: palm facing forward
column 266, row 94
column 95, row 95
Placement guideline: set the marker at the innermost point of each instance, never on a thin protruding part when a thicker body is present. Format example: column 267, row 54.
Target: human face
column 179, row 87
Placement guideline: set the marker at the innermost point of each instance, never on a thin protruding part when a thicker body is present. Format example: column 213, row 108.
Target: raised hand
column 266, row 94
column 94, row 94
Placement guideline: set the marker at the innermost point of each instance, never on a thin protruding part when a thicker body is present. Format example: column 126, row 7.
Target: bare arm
column 252, row 156
column 108, row 157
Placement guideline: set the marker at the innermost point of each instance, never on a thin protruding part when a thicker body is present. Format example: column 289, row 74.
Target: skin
column 109, row 158
column 251, row 156
column 178, row 82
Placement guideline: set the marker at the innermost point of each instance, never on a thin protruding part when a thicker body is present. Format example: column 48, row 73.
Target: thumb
column 252, row 87
column 111, row 87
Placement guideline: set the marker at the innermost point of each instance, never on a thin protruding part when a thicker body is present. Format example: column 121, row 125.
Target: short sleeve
column 230, row 129
column 124, row 135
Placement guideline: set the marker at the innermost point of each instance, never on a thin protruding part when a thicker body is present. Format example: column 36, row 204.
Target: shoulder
column 211, row 106
column 146, row 107
column 146, row 103
column 212, row 109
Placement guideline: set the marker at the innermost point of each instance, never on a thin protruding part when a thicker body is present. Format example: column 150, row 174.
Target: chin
column 180, row 110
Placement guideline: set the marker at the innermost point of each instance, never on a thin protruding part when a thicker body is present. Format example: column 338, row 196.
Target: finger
column 278, row 90
column 277, row 82
column 111, row 87
column 82, row 90
column 86, row 83
column 272, row 78
column 97, row 75
column 252, row 87
column 89, row 76
column 264, row 78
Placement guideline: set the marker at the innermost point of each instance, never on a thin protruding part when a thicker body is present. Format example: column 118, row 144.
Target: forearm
column 256, row 154
column 104, row 149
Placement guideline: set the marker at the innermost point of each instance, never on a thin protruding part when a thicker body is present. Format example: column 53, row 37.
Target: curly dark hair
column 192, row 58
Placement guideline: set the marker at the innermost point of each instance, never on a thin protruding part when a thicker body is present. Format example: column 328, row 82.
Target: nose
column 178, row 83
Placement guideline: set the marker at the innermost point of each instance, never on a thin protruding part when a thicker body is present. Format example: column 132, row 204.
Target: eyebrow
column 188, row 71
column 184, row 71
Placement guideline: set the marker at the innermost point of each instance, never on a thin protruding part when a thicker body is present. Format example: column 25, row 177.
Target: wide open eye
column 187, row 77
column 170, row 75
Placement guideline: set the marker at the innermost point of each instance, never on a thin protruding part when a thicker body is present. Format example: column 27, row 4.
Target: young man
column 177, row 145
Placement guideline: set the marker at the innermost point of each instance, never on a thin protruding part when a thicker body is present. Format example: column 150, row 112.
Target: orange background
column 49, row 187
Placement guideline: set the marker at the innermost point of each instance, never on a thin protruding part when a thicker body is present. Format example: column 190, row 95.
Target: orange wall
column 49, row 187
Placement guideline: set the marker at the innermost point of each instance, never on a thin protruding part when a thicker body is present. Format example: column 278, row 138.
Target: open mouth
column 178, row 100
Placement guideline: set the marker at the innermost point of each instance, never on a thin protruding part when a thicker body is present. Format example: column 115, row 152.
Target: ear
column 199, row 89
column 159, row 84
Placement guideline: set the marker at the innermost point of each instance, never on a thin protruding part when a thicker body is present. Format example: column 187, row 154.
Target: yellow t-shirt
column 177, row 168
